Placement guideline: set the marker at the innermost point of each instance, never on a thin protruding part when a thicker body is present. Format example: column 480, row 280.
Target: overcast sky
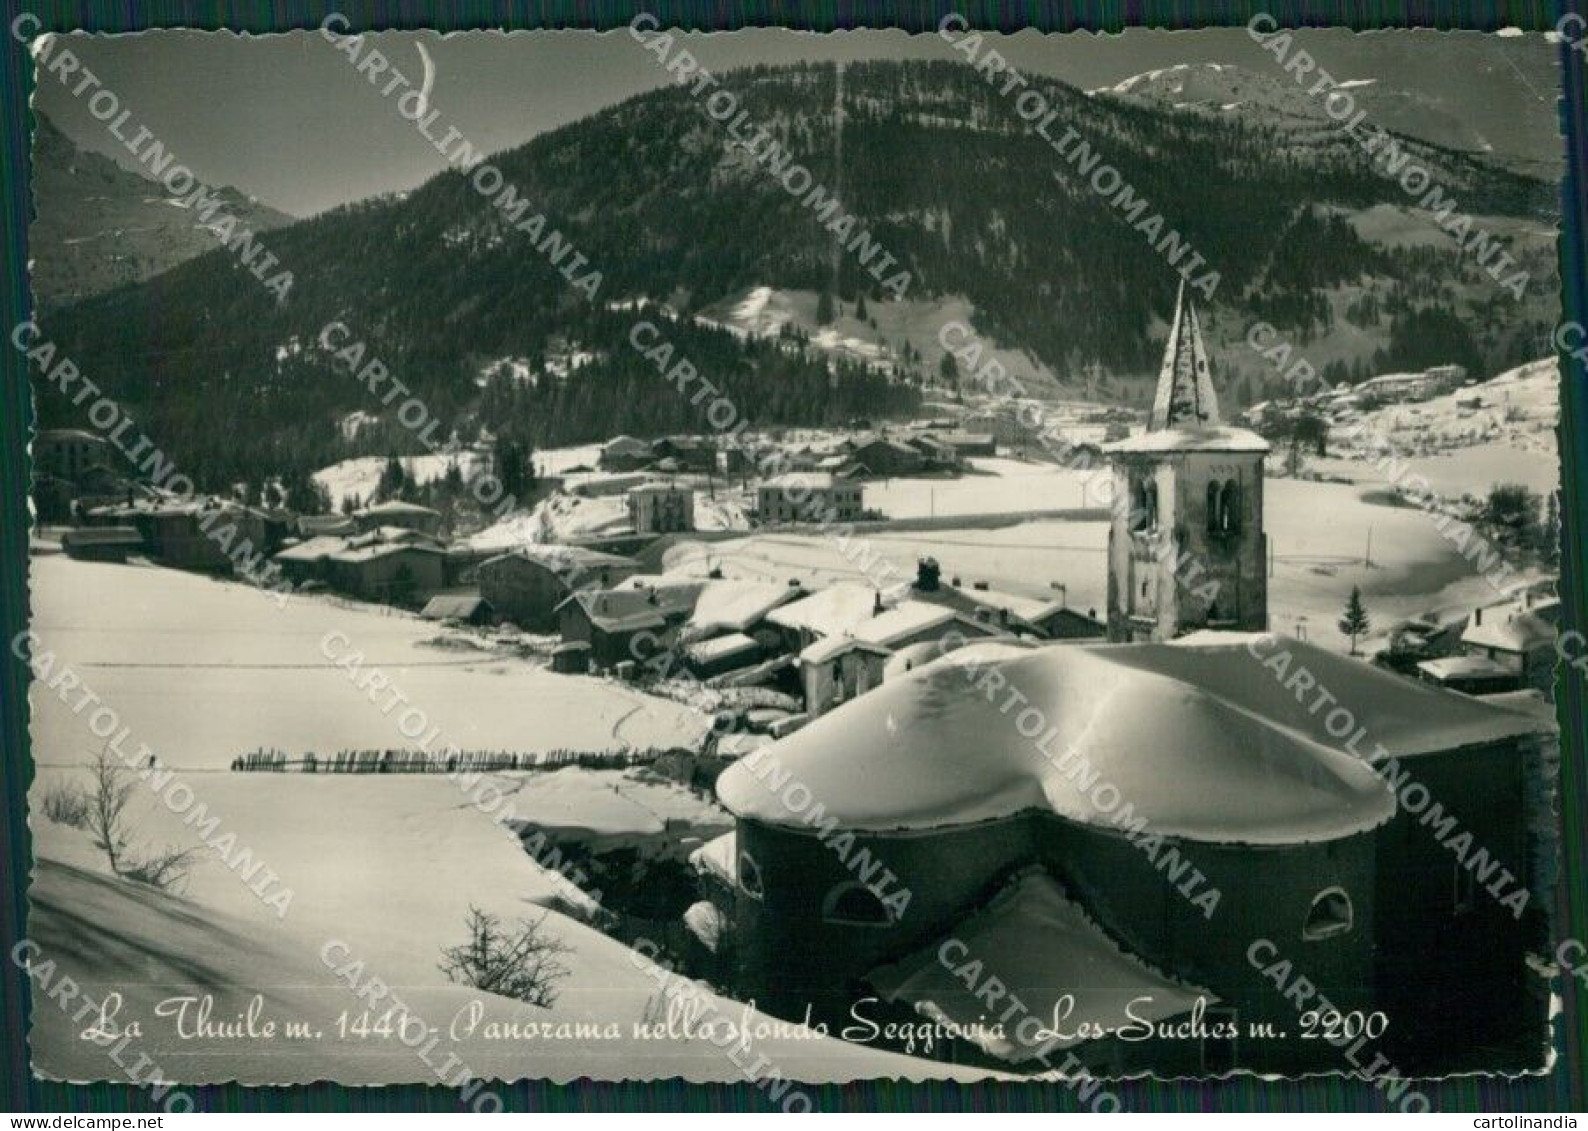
column 288, row 119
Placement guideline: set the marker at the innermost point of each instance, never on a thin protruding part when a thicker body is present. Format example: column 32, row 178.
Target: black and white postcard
column 781, row 559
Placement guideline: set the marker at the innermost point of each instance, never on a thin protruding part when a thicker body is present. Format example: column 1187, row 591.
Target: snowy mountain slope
column 99, row 225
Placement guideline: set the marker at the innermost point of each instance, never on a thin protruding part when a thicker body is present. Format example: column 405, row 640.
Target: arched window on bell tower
column 1224, row 507
column 1144, row 503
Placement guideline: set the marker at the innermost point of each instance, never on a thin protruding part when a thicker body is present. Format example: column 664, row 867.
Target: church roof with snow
column 1199, row 737
column 1185, row 409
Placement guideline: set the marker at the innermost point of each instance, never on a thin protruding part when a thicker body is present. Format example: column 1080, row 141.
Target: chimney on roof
column 876, row 601
column 1477, row 617
column 793, row 583
column 955, row 583
column 650, row 595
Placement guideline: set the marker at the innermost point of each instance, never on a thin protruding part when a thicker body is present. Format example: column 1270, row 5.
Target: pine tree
column 949, row 371
column 1355, row 622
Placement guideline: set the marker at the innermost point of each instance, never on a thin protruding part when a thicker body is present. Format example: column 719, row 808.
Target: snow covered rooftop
column 564, row 560
column 1213, row 438
column 1464, row 667
column 672, row 594
column 721, row 647
column 706, row 923
column 830, row 612
column 371, row 551
column 614, row 610
column 802, row 481
column 831, row 647
column 313, row 549
column 396, row 507
column 907, row 618
column 1074, row 957
column 1198, row 736
column 726, row 605
column 719, row 857
column 1520, row 626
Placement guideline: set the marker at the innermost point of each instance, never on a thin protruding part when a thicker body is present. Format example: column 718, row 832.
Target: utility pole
column 1367, row 558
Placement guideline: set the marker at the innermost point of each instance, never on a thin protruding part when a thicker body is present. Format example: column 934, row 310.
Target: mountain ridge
column 935, row 163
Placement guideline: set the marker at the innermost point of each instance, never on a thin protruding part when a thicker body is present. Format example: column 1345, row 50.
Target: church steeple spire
column 1185, row 397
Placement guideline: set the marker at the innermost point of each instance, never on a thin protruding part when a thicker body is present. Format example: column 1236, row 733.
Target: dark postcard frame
column 1563, row 1089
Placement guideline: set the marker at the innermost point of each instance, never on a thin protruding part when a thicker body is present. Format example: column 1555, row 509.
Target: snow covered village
column 747, row 666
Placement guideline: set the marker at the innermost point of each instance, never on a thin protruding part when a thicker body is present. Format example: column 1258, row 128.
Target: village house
column 526, row 585
column 735, row 461
column 1518, row 637
column 409, row 516
column 688, row 453
column 625, row 453
column 742, row 607
column 1187, row 550
column 315, row 525
column 810, row 496
column 836, row 610
column 836, row 669
column 719, row 655
column 1470, row 675
column 69, row 453
column 1057, row 621
column 661, row 508
column 1003, row 425
column 461, row 607
column 391, row 572
column 101, row 543
column 200, row 534
column 1399, row 388
column 935, row 454
column 968, row 444
column 71, row 466
column 619, row 625
column 1177, row 803
column 884, row 457
column 920, row 622
column 335, row 560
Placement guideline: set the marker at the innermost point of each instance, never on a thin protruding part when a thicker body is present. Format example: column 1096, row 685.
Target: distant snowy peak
column 1214, row 86
column 1277, row 100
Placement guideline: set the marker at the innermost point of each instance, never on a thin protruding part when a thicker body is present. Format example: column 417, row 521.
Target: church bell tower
column 1186, row 548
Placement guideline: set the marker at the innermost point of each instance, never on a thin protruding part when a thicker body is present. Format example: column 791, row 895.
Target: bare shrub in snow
column 66, row 804
column 108, row 795
column 106, row 820
column 166, row 869
column 520, row 963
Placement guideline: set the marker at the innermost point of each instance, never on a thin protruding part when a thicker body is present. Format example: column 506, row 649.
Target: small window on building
column 854, row 905
column 1466, row 890
column 750, row 876
column 1330, row 915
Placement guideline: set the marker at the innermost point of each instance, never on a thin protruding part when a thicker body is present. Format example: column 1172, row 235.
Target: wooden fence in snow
column 444, row 762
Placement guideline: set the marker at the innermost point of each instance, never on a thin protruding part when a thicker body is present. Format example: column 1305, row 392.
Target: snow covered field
column 382, row 872
column 204, row 670
column 1319, row 532
column 994, row 486
column 383, row 868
